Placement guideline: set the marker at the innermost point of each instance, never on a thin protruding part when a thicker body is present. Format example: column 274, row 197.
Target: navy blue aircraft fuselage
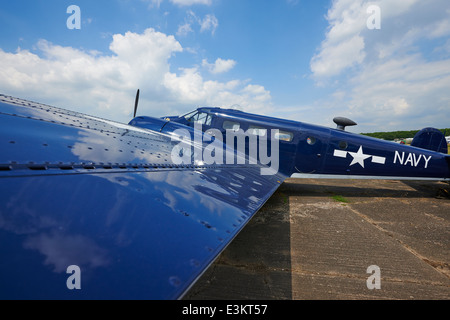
column 307, row 150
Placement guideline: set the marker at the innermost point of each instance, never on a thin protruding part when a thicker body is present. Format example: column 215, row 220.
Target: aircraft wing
column 82, row 192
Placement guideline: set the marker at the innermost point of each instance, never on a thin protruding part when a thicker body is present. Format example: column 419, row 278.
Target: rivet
column 175, row 281
column 195, row 263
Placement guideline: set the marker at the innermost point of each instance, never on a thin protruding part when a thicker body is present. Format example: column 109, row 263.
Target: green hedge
column 400, row 134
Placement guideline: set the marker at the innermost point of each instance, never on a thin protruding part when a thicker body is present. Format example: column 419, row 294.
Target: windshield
column 189, row 115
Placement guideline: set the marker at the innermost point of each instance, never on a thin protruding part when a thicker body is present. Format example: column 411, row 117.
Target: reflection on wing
column 76, row 190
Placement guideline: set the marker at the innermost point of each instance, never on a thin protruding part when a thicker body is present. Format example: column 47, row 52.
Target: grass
column 339, row 198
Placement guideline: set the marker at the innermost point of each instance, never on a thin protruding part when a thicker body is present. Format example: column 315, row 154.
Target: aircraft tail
column 430, row 139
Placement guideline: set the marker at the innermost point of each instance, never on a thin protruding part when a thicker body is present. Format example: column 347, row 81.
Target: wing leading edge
column 107, row 198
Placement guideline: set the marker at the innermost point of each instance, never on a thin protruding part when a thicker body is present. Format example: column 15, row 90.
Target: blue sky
column 297, row 59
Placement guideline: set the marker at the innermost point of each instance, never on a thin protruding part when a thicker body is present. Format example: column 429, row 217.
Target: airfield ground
column 315, row 239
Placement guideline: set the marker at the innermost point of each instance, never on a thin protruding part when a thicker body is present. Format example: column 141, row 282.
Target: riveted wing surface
column 80, row 191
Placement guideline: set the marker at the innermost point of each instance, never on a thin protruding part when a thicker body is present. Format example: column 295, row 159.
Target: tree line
column 400, row 134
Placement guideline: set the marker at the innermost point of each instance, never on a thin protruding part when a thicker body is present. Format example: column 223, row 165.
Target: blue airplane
column 311, row 151
column 95, row 209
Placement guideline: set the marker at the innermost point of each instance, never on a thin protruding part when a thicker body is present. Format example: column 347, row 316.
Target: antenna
column 343, row 122
column 136, row 104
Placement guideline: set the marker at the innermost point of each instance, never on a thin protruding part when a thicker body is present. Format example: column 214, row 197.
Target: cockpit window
column 190, row 115
column 208, row 120
column 204, row 118
column 199, row 117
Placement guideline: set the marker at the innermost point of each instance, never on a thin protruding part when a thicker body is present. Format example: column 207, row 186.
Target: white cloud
column 390, row 79
column 191, row 2
column 191, row 88
column 347, row 35
column 105, row 84
column 182, row 3
column 409, row 89
column 61, row 250
column 184, row 30
column 154, row 3
column 333, row 59
column 220, row 66
column 208, row 23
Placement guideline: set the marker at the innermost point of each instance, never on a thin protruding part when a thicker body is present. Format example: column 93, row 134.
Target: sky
column 384, row 64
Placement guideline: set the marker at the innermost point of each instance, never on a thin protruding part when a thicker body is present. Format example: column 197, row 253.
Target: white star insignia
column 359, row 157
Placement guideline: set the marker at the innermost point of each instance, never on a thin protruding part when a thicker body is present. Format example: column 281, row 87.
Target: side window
column 199, row 117
column 343, row 145
column 284, row 136
column 231, row 125
column 202, row 117
column 208, row 120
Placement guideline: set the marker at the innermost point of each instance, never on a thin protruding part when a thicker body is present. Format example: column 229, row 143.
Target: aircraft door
column 311, row 150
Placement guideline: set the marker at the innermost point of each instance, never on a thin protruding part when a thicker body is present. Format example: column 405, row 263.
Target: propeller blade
column 136, row 104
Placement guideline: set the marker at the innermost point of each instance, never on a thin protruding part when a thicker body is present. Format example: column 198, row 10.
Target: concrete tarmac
column 316, row 239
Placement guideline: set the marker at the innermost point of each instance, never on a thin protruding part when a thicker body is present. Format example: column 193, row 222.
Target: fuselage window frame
column 231, row 125
column 285, row 136
column 203, row 118
column 257, row 131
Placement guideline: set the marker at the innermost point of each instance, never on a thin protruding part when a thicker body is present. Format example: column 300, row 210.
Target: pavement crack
column 440, row 267
column 332, row 274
